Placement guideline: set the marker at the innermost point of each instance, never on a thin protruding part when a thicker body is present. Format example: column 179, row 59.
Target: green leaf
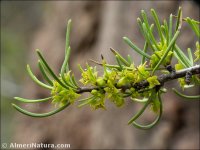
column 182, row 57
column 197, row 97
column 74, row 81
column 179, row 19
column 129, row 59
column 153, row 81
column 194, row 25
column 66, row 78
column 149, row 126
column 139, row 113
column 140, row 100
column 122, row 59
column 86, row 101
column 44, row 73
column 50, row 70
column 39, row 114
column 170, row 26
column 197, row 52
column 140, row 26
column 145, row 51
column 148, row 30
column 118, row 61
column 148, row 38
column 65, row 63
column 134, row 47
column 167, row 51
column 32, row 100
column 33, row 77
column 65, row 66
column 166, row 31
column 155, row 17
column 190, row 56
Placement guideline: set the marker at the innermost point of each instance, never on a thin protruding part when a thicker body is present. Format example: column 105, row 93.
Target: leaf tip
column 125, row 38
column 13, row 105
column 152, row 10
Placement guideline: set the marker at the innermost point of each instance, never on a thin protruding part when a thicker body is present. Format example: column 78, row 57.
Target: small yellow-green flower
column 153, row 81
column 62, row 95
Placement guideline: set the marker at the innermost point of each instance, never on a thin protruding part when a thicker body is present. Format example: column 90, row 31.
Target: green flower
column 114, row 94
column 153, row 81
column 155, row 58
column 89, row 76
column 62, row 95
column 127, row 76
column 99, row 99
column 100, row 81
column 181, row 81
column 142, row 73
column 178, row 66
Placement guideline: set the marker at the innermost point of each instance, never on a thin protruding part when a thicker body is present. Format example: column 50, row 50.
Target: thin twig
column 143, row 84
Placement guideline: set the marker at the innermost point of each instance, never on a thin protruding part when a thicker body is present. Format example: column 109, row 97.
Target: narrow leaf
column 140, row 100
column 183, row 57
column 167, row 50
column 144, row 50
column 190, row 56
column 155, row 17
column 40, row 115
column 197, row 97
column 44, row 73
column 149, row 126
column 194, row 26
column 166, row 31
column 134, row 47
column 140, row 112
column 32, row 100
column 86, row 101
column 65, row 66
column 129, row 59
column 170, row 26
column 50, row 70
column 122, row 59
column 179, row 19
column 33, row 77
column 118, row 61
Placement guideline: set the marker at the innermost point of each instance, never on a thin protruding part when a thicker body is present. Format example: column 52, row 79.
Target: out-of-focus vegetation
column 18, row 23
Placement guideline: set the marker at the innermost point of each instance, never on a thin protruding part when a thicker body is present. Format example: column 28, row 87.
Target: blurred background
column 96, row 26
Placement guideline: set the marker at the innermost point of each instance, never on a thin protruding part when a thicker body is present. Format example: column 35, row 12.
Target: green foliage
column 89, row 75
column 197, row 52
column 140, row 83
column 62, row 95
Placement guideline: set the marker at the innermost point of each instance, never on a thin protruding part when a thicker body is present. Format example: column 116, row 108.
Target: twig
column 143, row 84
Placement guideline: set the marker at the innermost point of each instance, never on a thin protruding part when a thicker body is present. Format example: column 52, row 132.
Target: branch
column 143, row 84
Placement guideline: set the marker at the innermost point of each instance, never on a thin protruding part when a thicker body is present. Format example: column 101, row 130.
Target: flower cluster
column 61, row 95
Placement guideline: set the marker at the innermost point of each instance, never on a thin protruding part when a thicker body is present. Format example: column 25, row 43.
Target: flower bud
column 94, row 92
column 121, row 82
column 100, row 81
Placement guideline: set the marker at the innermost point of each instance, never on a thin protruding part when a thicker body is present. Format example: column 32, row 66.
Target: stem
column 143, row 84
